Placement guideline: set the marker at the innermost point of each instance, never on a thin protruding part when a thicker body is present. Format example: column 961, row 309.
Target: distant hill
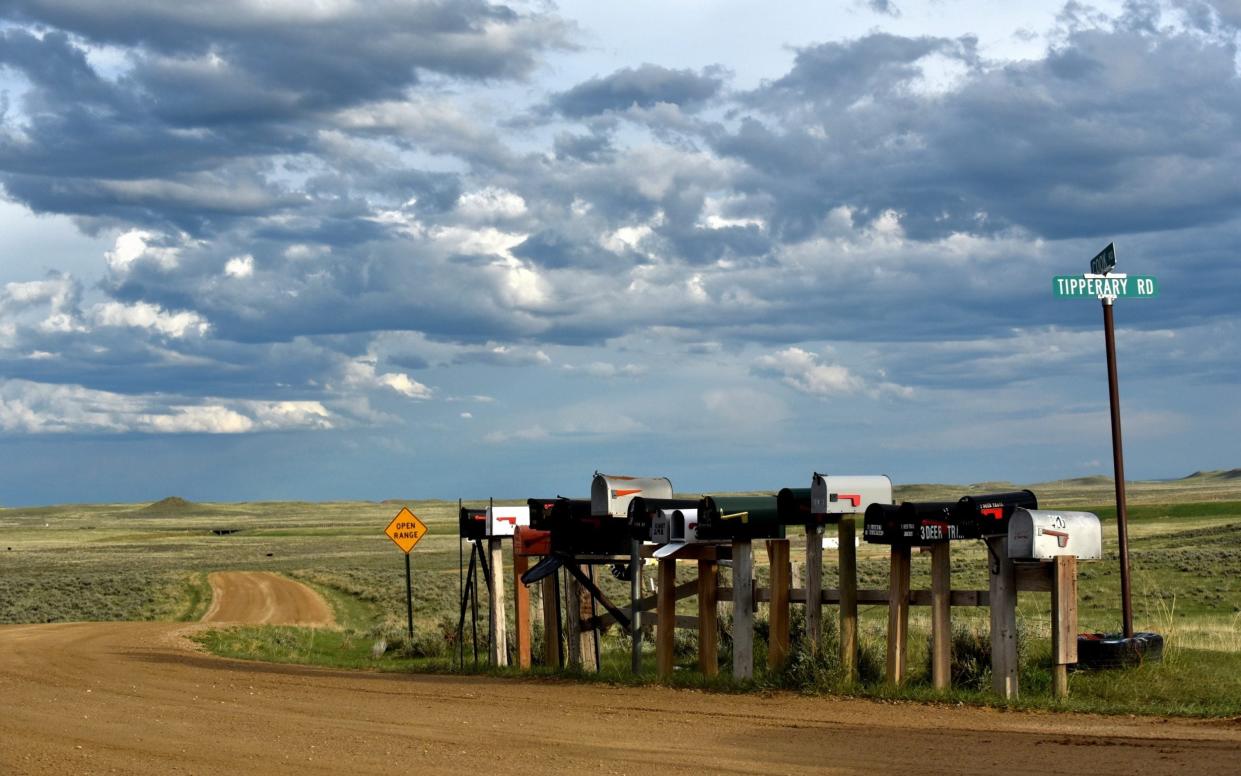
column 168, row 507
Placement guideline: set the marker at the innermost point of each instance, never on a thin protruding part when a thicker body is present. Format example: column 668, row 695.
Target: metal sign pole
column 409, row 599
column 635, row 593
column 1118, row 458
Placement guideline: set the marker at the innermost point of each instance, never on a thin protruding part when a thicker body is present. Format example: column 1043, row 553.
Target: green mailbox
column 739, row 517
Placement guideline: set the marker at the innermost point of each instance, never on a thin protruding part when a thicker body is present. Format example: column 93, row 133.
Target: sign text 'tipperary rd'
column 406, row 530
column 1101, row 286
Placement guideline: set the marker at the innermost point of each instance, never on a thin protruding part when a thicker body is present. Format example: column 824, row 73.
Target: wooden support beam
column 813, row 595
column 551, row 623
column 941, row 616
column 1032, row 576
column 646, row 604
column 848, row 597
column 708, row 644
column 898, row 614
column 497, row 632
column 1003, row 619
column 743, row 609
column 521, row 612
column 778, row 612
column 1063, row 622
column 665, row 634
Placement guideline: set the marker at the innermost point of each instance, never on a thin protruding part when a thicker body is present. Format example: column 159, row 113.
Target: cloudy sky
column 334, row 249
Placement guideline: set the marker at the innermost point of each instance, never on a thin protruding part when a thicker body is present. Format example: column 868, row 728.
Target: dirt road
column 263, row 598
column 136, row 698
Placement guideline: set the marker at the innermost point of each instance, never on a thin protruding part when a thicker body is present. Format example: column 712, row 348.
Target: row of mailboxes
column 926, row 523
column 622, row 509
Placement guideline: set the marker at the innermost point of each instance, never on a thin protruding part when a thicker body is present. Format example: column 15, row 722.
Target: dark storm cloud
column 643, row 86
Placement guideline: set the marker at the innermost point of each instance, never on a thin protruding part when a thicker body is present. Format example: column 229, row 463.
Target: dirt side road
column 88, row 698
column 263, row 598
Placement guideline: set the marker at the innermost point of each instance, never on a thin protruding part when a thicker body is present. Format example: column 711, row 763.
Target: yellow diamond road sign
column 406, row 530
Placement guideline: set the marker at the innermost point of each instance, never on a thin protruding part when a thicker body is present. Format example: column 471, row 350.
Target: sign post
column 1107, row 287
column 406, row 530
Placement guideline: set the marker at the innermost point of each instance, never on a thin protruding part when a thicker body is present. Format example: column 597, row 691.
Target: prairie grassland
column 122, row 561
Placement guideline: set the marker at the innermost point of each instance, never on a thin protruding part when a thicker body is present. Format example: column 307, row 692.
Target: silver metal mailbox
column 503, row 520
column 837, row 494
column 1040, row 534
column 610, row 494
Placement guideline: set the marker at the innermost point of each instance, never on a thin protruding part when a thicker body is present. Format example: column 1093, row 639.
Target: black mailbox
column 739, row 517
column 576, row 531
column 992, row 511
column 472, row 523
column 643, row 510
column 917, row 524
column 793, row 507
column 541, row 512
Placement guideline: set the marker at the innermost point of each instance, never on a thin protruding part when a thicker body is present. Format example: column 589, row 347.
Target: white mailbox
column 837, row 494
column 610, row 494
column 503, row 521
column 683, row 530
column 1040, row 534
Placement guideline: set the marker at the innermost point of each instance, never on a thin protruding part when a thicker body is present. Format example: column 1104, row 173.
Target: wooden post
column 1003, row 619
column 1063, row 623
column 847, row 562
column 586, row 639
column 708, row 648
column 814, row 585
column 666, row 609
column 898, row 613
column 573, row 623
column 743, row 609
column 521, row 611
column 551, row 623
column 778, row 610
column 498, row 632
column 941, row 616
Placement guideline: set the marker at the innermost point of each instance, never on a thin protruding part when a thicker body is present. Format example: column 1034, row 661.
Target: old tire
column 1112, row 650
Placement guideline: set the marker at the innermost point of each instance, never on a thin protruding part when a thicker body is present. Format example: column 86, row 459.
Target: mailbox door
column 793, row 505
column 503, row 521
column 880, row 524
column 610, row 494
column 472, row 523
column 661, row 527
column 840, row 494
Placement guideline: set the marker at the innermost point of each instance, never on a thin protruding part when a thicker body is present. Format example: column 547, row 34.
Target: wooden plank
column 635, row 611
column 665, row 633
column 573, row 622
column 1063, row 622
column 497, row 631
column 1003, row 619
column 898, row 613
column 846, row 556
column 812, row 596
column 708, row 644
column 521, row 612
column 941, row 616
column 778, row 554
column 743, row 610
column 1033, row 576
column 551, row 624
column 647, row 604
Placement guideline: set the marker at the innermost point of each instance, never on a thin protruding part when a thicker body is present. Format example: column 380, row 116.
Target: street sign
column 1105, row 261
column 406, row 530
column 1100, row 286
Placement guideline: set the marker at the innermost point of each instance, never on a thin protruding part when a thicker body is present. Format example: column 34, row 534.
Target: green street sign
column 1102, row 286
column 1105, row 261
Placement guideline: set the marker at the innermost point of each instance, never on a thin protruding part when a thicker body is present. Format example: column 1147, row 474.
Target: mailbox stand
column 743, row 609
column 1057, row 576
column 847, row 554
column 898, row 612
column 778, row 610
column 941, row 616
